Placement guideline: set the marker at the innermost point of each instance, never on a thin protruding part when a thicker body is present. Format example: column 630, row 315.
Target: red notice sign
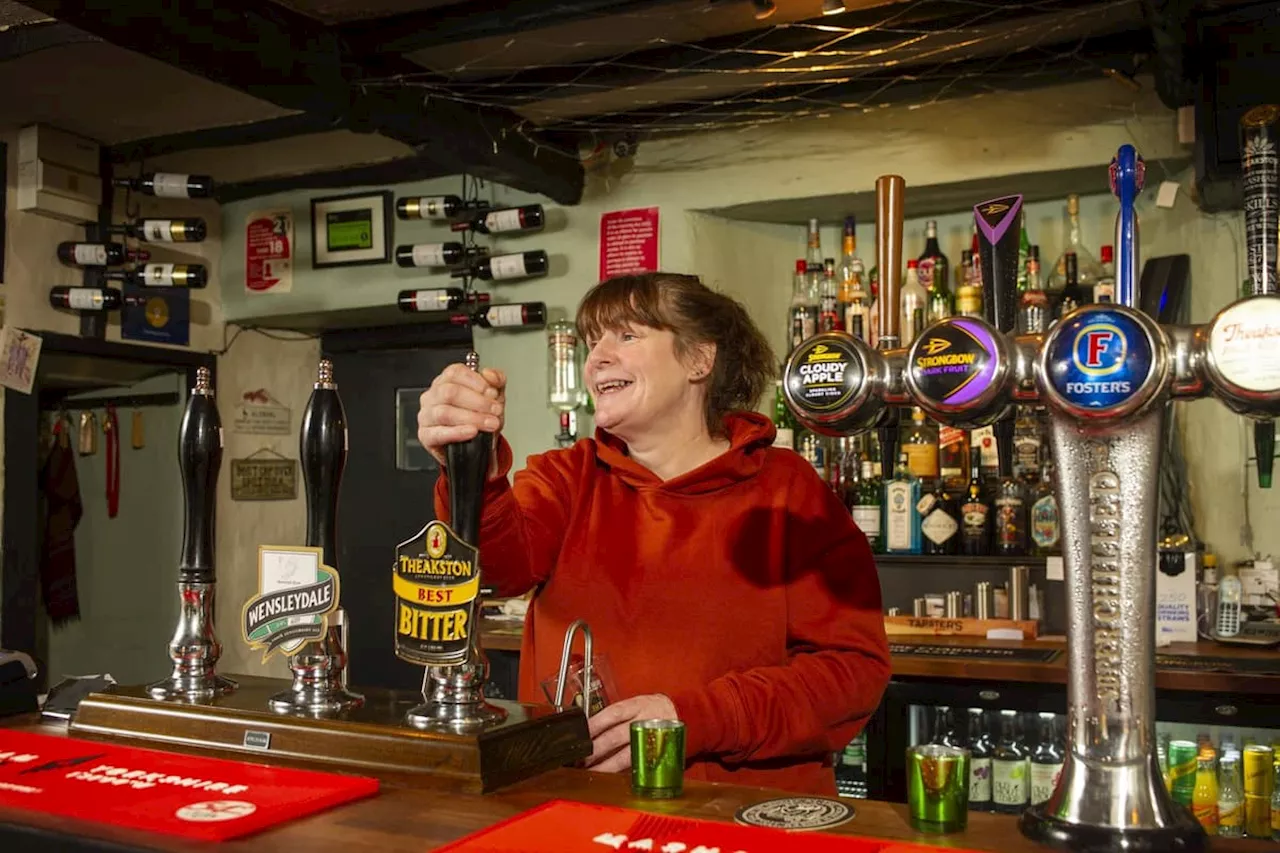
column 203, row 798
column 628, row 242
column 566, row 827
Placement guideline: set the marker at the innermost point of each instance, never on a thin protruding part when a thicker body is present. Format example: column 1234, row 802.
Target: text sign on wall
column 264, row 479
column 628, row 242
column 268, row 252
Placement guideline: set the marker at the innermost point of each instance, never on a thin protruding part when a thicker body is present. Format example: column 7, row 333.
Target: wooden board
column 930, row 626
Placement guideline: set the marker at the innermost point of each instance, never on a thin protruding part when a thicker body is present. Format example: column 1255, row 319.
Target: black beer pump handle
column 999, row 229
column 199, row 459
column 468, row 466
column 323, row 449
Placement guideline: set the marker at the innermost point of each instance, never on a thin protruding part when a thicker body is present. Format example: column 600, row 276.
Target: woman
column 727, row 585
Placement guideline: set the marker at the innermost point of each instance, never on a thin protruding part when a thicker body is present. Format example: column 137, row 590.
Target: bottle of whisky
column 1027, row 444
column 867, row 505
column 920, row 443
column 902, row 518
column 975, row 512
column 1033, row 303
column 854, row 300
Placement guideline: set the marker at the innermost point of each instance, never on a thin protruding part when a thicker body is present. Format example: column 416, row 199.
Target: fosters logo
column 1100, row 359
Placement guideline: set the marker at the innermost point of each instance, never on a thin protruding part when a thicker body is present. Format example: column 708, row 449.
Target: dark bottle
column 169, row 185
column 975, row 512
column 467, row 465
column 1009, row 789
column 939, row 525
column 508, row 315
column 933, row 270
column 322, row 446
column 1045, row 524
column 1074, row 294
column 163, row 230
column 199, row 460
column 85, row 298
column 981, row 750
column 507, row 220
column 1046, row 760
column 98, row 254
column 868, row 504
column 438, row 299
column 944, row 728
column 434, row 254
column 429, row 207
column 506, row 267
column 193, row 276
column 1009, row 525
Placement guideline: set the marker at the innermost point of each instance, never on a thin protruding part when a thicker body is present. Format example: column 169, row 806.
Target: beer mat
column 208, row 799
column 985, row 652
column 1252, row 666
column 561, row 826
column 795, row 813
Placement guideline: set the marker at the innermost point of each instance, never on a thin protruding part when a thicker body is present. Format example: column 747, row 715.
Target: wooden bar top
column 403, row 820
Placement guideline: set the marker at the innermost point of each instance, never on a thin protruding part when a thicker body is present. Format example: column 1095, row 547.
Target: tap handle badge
column 1127, row 173
column 998, row 233
column 1261, row 133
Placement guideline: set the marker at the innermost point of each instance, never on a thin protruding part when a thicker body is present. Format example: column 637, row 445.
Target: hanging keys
column 88, row 442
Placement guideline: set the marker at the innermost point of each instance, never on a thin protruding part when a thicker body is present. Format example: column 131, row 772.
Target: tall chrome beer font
column 319, row 667
column 1106, row 373
column 194, row 648
column 438, row 612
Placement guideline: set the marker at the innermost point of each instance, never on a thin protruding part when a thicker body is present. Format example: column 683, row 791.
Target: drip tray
column 982, row 652
column 1252, row 666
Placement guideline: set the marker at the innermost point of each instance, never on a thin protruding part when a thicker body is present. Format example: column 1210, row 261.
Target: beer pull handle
column 890, row 202
column 194, row 648
column 468, row 465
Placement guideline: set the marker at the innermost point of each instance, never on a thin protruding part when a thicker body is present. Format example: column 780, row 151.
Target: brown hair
column 695, row 314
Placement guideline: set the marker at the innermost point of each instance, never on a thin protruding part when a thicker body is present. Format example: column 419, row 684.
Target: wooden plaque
column 937, row 626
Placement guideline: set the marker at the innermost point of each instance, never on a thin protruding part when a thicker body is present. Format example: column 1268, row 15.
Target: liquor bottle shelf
column 957, row 561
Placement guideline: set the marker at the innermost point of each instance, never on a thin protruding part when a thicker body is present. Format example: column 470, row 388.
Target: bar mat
column 984, row 652
column 1253, row 666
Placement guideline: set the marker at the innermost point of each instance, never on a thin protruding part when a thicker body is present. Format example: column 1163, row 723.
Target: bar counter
column 406, row 820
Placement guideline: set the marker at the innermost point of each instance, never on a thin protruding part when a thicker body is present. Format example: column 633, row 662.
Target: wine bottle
column 504, row 267
column 193, row 276
column 98, row 254
column 438, row 299
column 169, row 185
column 85, row 298
column 163, row 230
column 429, row 207
column 509, row 315
column 528, row 218
column 437, row 254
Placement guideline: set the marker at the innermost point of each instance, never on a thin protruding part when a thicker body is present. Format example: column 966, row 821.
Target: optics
column 764, row 8
column 832, row 7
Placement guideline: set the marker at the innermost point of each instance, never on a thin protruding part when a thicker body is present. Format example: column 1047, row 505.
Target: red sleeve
column 523, row 523
column 839, row 655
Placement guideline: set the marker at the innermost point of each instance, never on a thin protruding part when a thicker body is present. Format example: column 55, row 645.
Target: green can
column 657, row 758
column 1182, row 770
column 938, row 788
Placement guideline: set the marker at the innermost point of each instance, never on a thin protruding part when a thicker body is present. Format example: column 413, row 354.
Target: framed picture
column 351, row 229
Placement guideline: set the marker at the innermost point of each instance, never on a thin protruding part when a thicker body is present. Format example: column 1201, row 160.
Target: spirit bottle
column 784, row 422
column 1046, row 527
column 1074, row 294
column 1024, row 250
column 1010, row 523
column 933, row 268
column 902, row 519
column 920, row 443
column 1105, row 289
column 1046, row 761
column 975, row 512
column 1027, row 444
column 939, row 528
column 1087, row 269
column 804, row 311
column 813, row 255
column 1009, row 790
column 981, row 750
column 1033, row 304
column 855, row 301
column 868, row 504
column 953, row 457
column 828, row 314
column 914, row 301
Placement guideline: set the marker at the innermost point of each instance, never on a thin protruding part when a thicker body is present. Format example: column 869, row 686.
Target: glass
column 657, row 758
column 603, row 687
column 938, row 788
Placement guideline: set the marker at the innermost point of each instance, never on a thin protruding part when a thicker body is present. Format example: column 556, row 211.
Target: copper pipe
column 890, row 192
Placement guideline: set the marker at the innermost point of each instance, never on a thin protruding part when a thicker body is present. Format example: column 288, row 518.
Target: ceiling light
column 832, row 7
column 764, row 8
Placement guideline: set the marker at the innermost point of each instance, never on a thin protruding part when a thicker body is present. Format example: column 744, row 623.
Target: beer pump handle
column 1260, row 129
column 199, row 458
column 890, row 198
column 998, row 223
column 323, row 450
column 1127, row 174
column 468, row 466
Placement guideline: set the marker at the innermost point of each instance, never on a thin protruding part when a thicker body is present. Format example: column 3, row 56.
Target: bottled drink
column 854, row 301
column 434, row 254
column 804, row 311
column 1204, row 798
column 981, row 750
column 784, row 422
column 813, row 255
column 953, row 457
column 1024, row 251
column 969, row 301
column 509, row 315
column 920, row 443
column 902, row 519
column 98, row 254
column 169, row 185
column 85, row 298
column 828, row 314
column 1087, row 269
column 1010, row 524
column 505, row 267
column 1033, row 303
column 944, row 728
column 1009, row 790
column 1027, row 439
column 1105, row 289
column 1046, row 760
column 933, row 270
column 1046, row 526
column 429, row 207
column 1074, row 294
column 1230, row 798
column 194, row 276
column 851, row 772
column 915, row 305
column 163, row 230
column 528, row 218
column 867, row 506
column 975, row 512
column 438, row 299
column 939, row 528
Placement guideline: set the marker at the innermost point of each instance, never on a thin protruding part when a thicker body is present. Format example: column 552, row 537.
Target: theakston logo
column 1099, row 349
column 936, row 345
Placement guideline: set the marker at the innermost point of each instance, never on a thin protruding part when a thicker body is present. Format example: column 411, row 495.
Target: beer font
column 194, row 648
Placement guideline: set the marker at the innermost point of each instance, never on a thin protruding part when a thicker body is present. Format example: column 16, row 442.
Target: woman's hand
column 460, row 403
column 611, row 729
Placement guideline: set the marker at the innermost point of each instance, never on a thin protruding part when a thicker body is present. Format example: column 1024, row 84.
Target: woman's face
column 638, row 383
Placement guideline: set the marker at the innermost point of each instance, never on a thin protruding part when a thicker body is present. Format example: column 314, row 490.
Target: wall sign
column 156, row 315
column 261, row 414
column 19, row 355
column 351, row 229
column 628, row 242
column 256, row 479
column 268, row 252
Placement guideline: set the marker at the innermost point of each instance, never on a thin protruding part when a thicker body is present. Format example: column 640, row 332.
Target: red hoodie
column 741, row 589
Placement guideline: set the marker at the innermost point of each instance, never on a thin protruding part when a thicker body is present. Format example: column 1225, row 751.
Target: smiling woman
column 727, row 585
